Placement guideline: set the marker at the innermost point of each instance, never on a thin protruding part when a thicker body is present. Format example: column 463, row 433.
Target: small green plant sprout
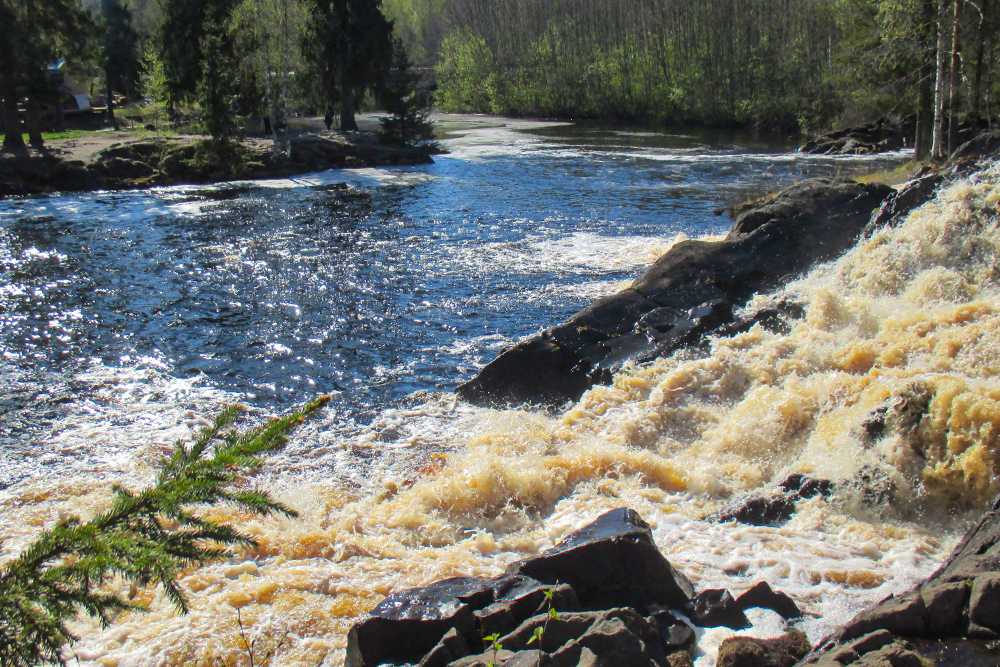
column 495, row 646
column 147, row 537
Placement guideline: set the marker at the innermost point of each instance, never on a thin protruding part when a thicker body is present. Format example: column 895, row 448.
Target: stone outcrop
column 604, row 596
column 952, row 618
column 146, row 163
column 782, row 651
column 877, row 137
column 688, row 294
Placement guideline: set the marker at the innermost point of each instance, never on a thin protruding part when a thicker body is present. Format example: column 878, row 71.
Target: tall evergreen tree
column 351, row 43
column 120, row 51
column 216, row 92
column 407, row 101
column 181, row 34
column 32, row 36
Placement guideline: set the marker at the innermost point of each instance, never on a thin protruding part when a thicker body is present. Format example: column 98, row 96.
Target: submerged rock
column 687, row 295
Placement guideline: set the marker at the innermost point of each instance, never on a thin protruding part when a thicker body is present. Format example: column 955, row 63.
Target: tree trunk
column 937, row 141
column 953, row 80
column 347, row 121
column 925, row 97
column 34, row 122
column 977, row 86
column 12, row 124
column 111, row 97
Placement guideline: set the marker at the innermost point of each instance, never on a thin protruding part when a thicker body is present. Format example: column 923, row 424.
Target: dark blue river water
column 370, row 284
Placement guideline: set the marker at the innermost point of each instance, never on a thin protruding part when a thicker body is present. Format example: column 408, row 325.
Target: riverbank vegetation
column 764, row 63
column 221, row 63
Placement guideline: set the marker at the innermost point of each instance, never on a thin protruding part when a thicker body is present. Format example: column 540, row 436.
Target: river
column 129, row 318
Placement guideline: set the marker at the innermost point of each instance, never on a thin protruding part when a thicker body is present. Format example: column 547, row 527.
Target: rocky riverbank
column 571, row 610
column 694, row 290
column 112, row 160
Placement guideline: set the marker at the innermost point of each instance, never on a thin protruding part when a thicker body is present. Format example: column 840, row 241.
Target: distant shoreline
column 128, row 160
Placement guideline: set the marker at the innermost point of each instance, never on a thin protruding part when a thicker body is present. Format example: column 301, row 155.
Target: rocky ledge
column 694, row 290
column 148, row 163
column 604, row 596
column 689, row 293
column 877, row 137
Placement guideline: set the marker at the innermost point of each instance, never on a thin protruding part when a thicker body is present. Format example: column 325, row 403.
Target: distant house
column 74, row 87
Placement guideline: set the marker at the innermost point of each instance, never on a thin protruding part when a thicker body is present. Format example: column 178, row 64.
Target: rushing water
column 130, row 317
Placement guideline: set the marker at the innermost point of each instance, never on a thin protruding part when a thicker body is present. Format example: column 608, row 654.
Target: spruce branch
column 145, row 538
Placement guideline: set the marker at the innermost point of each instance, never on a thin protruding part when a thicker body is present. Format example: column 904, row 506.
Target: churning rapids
column 129, row 318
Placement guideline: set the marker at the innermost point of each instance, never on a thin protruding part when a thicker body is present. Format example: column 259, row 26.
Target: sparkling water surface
column 371, row 283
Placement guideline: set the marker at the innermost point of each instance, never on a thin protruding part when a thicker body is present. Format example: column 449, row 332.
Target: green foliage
column 120, row 47
column 216, row 93
column 467, row 76
column 350, row 45
column 146, row 538
column 267, row 37
column 182, row 32
column 408, row 103
column 32, row 36
column 758, row 62
column 156, row 91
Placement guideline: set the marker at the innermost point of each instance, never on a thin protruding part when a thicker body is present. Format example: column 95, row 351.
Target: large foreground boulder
column 610, row 564
column 687, row 294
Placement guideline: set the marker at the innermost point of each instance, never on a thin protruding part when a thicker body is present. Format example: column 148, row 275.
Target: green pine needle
column 61, row 572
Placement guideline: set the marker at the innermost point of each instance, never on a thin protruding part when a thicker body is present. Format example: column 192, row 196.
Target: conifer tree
column 146, row 538
column 216, row 93
column 407, row 101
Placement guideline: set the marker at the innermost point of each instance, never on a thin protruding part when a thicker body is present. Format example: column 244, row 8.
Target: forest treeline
column 789, row 65
column 783, row 64
column 215, row 58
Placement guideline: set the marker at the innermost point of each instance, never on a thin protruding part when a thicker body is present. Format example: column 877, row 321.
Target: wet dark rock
column 451, row 647
column 984, row 145
column 759, row 510
column 869, row 139
column 762, row 596
column 533, row 658
column 893, row 655
column 715, row 608
column 950, row 618
column 984, row 605
column 782, row 651
column 803, row 486
column 675, row 634
column 407, row 625
column 874, row 485
column 525, row 598
column 611, row 566
column 612, row 562
column 773, row 506
column 913, row 194
column 611, row 641
column 689, row 294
